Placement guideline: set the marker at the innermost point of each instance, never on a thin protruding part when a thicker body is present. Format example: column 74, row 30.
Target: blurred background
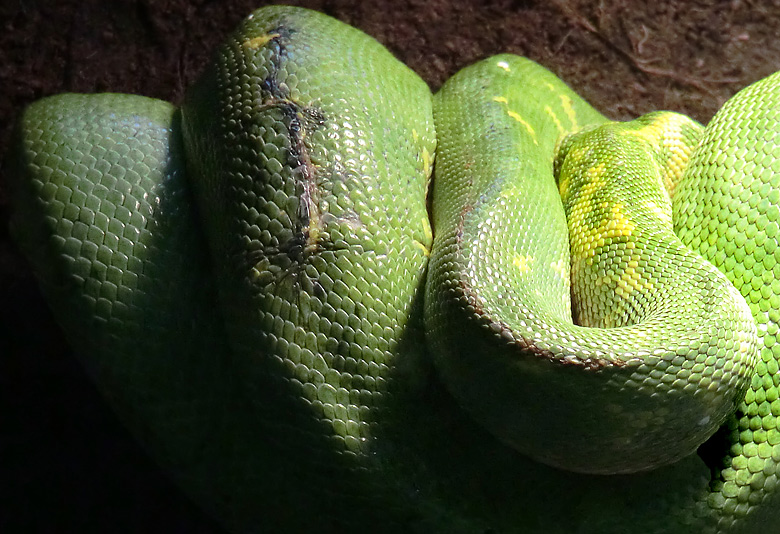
column 65, row 463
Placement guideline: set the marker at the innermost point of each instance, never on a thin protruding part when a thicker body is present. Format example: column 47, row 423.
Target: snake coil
column 253, row 281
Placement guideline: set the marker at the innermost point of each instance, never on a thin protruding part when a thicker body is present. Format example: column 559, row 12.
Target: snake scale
column 253, row 281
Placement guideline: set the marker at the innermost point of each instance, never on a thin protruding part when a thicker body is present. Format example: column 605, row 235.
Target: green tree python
column 253, row 281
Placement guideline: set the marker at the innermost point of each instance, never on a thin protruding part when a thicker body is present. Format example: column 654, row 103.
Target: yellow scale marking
column 523, row 263
column 426, row 251
column 569, row 110
column 426, row 157
column 561, row 268
column 428, row 238
column 615, row 223
column 426, row 161
column 257, row 42
column 554, row 117
column 676, row 152
column 630, row 281
column 516, row 116
column 660, row 212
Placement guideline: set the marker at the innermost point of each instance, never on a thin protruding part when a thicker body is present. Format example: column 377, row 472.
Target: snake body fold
column 310, row 399
column 634, row 358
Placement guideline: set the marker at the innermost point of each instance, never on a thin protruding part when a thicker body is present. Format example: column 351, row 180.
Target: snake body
column 289, row 193
column 515, row 293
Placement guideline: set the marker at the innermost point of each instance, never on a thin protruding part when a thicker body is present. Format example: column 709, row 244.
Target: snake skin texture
column 632, row 356
column 309, row 337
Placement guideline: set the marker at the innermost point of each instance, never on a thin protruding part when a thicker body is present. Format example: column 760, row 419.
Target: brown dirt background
column 65, row 463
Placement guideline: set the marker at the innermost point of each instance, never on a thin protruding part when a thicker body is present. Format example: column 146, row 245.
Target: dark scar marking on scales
column 300, row 120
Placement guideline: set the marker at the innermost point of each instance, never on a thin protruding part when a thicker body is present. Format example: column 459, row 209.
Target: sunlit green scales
column 327, row 413
column 626, row 273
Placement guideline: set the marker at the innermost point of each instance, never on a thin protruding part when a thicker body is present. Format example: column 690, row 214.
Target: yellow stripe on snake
column 579, row 338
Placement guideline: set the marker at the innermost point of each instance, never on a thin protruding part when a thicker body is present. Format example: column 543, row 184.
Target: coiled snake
column 325, row 363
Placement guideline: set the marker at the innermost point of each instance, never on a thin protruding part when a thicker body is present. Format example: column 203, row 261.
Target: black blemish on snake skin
column 277, row 38
column 300, row 121
column 287, row 262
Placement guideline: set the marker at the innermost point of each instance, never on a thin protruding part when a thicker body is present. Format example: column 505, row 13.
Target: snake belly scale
column 254, row 283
